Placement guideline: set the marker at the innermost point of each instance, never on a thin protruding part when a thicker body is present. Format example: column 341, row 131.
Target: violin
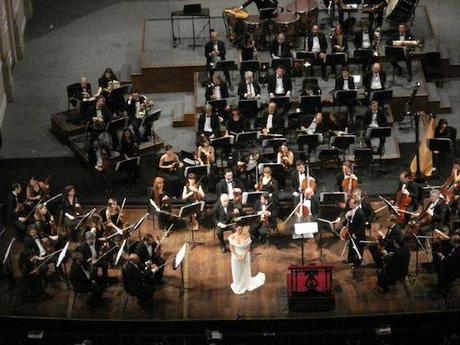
column 349, row 184
column 416, row 224
column 402, row 202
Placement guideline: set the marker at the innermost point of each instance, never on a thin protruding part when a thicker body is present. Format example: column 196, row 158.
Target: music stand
column 246, row 137
column 178, row 262
column 382, row 96
column 335, row 59
column 248, row 219
column 286, row 63
column 249, row 65
column 343, row 142
column 222, row 144
column 395, row 54
column 281, row 101
column 275, row 143
column 116, row 125
column 226, row 65
column 311, row 140
column 248, row 107
column 198, row 170
column 128, row 163
column 218, row 105
column 149, row 120
column 333, row 198
column 347, row 97
column 304, row 231
column 364, row 56
column 308, row 103
column 380, row 133
column 188, row 211
column 249, row 198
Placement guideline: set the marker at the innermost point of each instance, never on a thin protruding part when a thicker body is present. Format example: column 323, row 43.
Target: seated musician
column 364, row 37
column 208, row 123
column 346, row 173
column 345, row 81
column 385, row 241
column 375, row 79
column 249, row 88
column 285, row 157
column 245, row 168
column 81, row 92
column 267, row 184
column 316, row 42
column 137, row 281
column 374, row 118
column 70, row 206
column 448, row 264
column 227, row 184
column 375, row 9
column 339, row 43
column 170, row 167
column 235, row 124
column 99, row 115
column 214, row 51
column 44, row 221
column 310, row 89
column 441, row 131
column 280, row 48
column 112, row 215
column 191, row 193
column 136, row 108
column 438, row 213
column 316, row 126
column 297, row 179
column 223, row 214
column 272, row 122
column 279, row 84
column 107, row 83
column 161, row 198
column 247, row 50
column 395, row 264
column 81, row 280
column 15, row 216
column 91, row 249
column 206, row 153
column 267, row 208
column 410, row 189
column 402, row 35
column 149, row 257
column 216, row 89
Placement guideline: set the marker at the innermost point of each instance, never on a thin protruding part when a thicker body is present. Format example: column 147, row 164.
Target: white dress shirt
column 366, row 40
column 374, row 123
column 40, row 246
column 345, row 85
column 230, row 190
column 316, row 48
column 270, row 121
column 376, row 84
column 279, row 86
column 207, row 124
column 217, row 94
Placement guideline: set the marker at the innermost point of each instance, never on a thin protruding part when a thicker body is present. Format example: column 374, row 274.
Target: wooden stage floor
column 208, row 295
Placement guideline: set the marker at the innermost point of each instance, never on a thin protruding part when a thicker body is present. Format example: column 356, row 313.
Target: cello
column 449, row 188
column 349, row 183
column 402, row 202
column 308, row 181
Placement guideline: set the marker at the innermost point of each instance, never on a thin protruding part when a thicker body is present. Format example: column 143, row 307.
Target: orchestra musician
column 345, row 81
column 137, row 281
column 15, row 216
column 345, row 175
column 279, row 84
column 280, row 48
column 402, row 35
column 227, row 184
column 245, row 168
column 310, row 89
column 267, row 208
column 208, row 123
column 107, row 83
column 272, row 122
column 161, row 198
column 339, row 43
column 80, row 92
column 409, row 195
column 268, row 184
column 70, row 207
column 247, row 51
column 98, row 158
column 91, row 250
column 386, row 241
column 448, row 263
column 98, row 115
column 364, row 39
column 375, row 9
column 134, row 108
column 36, row 190
column 205, row 152
column 214, row 51
column 129, row 148
column 316, row 126
column 442, row 130
column 236, row 123
column 170, row 166
column 450, row 190
column 223, row 214
column 150, row 259
column 316, row 42
column 44, row 221
column 285, row 157
column 298, row 179
column 356, row 228
column 193, row 192
column 374, row 80
column 365, row 204
column 82, row 282
column 374, row 118
column 216, row 89
column 248, row 88
column 310, row 203
column 437, row 212
column 112, row 215
column 395, row 264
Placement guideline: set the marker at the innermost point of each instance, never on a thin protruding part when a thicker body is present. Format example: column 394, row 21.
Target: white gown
column 241, row 270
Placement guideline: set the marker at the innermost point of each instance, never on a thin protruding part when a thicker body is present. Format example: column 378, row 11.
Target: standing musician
column 408, row 196
column 91, row 250
column 375, row 9
column 395, row 264
column 81, row 280
column 150, row 258
column 375, row 79
column 193, row 192
column 448, row 264
column 280, row 48
column 227, row 184
column 401, row 36
column 279, row 84
column 434, row 216
column 249, row 88
column 385, row 241
column 137, row 281
column 356, row 228
column 268, row 212
column 374, row 118
column 70, row 207
column 15, row 216
column 161, row 198
column 272, row 122
column 208, row 123
column 442, row 130
column 214, row 52
column 216, row 89
column 44, row 221
column 316, row 42
column 205, row 152
column 347, row 179
column 170, row 166
column 223, row 214
column 137, row 107
column 366, row 206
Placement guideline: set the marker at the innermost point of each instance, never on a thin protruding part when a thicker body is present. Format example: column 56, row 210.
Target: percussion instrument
column 255, row 27
column 286, row 23
column 307, row 10
column 237, row 12
column 399, row 11
column 232, row 18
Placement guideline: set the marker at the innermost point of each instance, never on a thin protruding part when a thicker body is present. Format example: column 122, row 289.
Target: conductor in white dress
column 240, row 242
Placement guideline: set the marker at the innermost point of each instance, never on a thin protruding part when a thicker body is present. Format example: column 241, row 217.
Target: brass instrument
column 144, row 108
column 237, row 12
column 376, row 41
column 112, row 85
column 412, row 43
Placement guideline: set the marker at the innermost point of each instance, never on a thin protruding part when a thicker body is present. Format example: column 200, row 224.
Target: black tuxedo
column 308, row 44
column 277, row 122
column 295, row 183
column 106, row 114
column 359, row 39
column 393, row 234
column 144, row 256
column 381, row 122
column 287, row 84
column 396, row 266
column 220, row 215
column 357, row 229
column 210, row 90
column 407, row 60
column 11, row 203
column 222, row 187
column 285, row 49
column 367, row 80
column 131, row 107
column 31, row 246
column 339, row 82
column 243, row 88
column 75, row 92
column 215, row 126
column 209, row 47
column 85, row 250
column 135, row 281
column 338, row 181
column 260, row 230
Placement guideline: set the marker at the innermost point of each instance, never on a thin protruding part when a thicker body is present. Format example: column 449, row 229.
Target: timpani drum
column 286, row 23
column 400, row 11
column 308, row 11
column 254, row 26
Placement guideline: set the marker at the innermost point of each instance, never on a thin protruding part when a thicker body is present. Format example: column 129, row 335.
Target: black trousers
column 220, row 235
column 408, row 62
column 352, row 255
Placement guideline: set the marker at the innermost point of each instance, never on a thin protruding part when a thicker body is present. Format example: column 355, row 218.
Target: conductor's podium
column 310, row 288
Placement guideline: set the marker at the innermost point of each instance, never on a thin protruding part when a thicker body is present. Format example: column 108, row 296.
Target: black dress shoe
column 400, row 70
column 224, row 250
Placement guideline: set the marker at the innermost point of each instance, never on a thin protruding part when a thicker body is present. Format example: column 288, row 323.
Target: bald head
column 134, row 258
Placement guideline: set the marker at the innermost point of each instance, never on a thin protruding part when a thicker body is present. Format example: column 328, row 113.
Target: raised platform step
column 62, row 128
column 184, row 112
column 438, row 101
